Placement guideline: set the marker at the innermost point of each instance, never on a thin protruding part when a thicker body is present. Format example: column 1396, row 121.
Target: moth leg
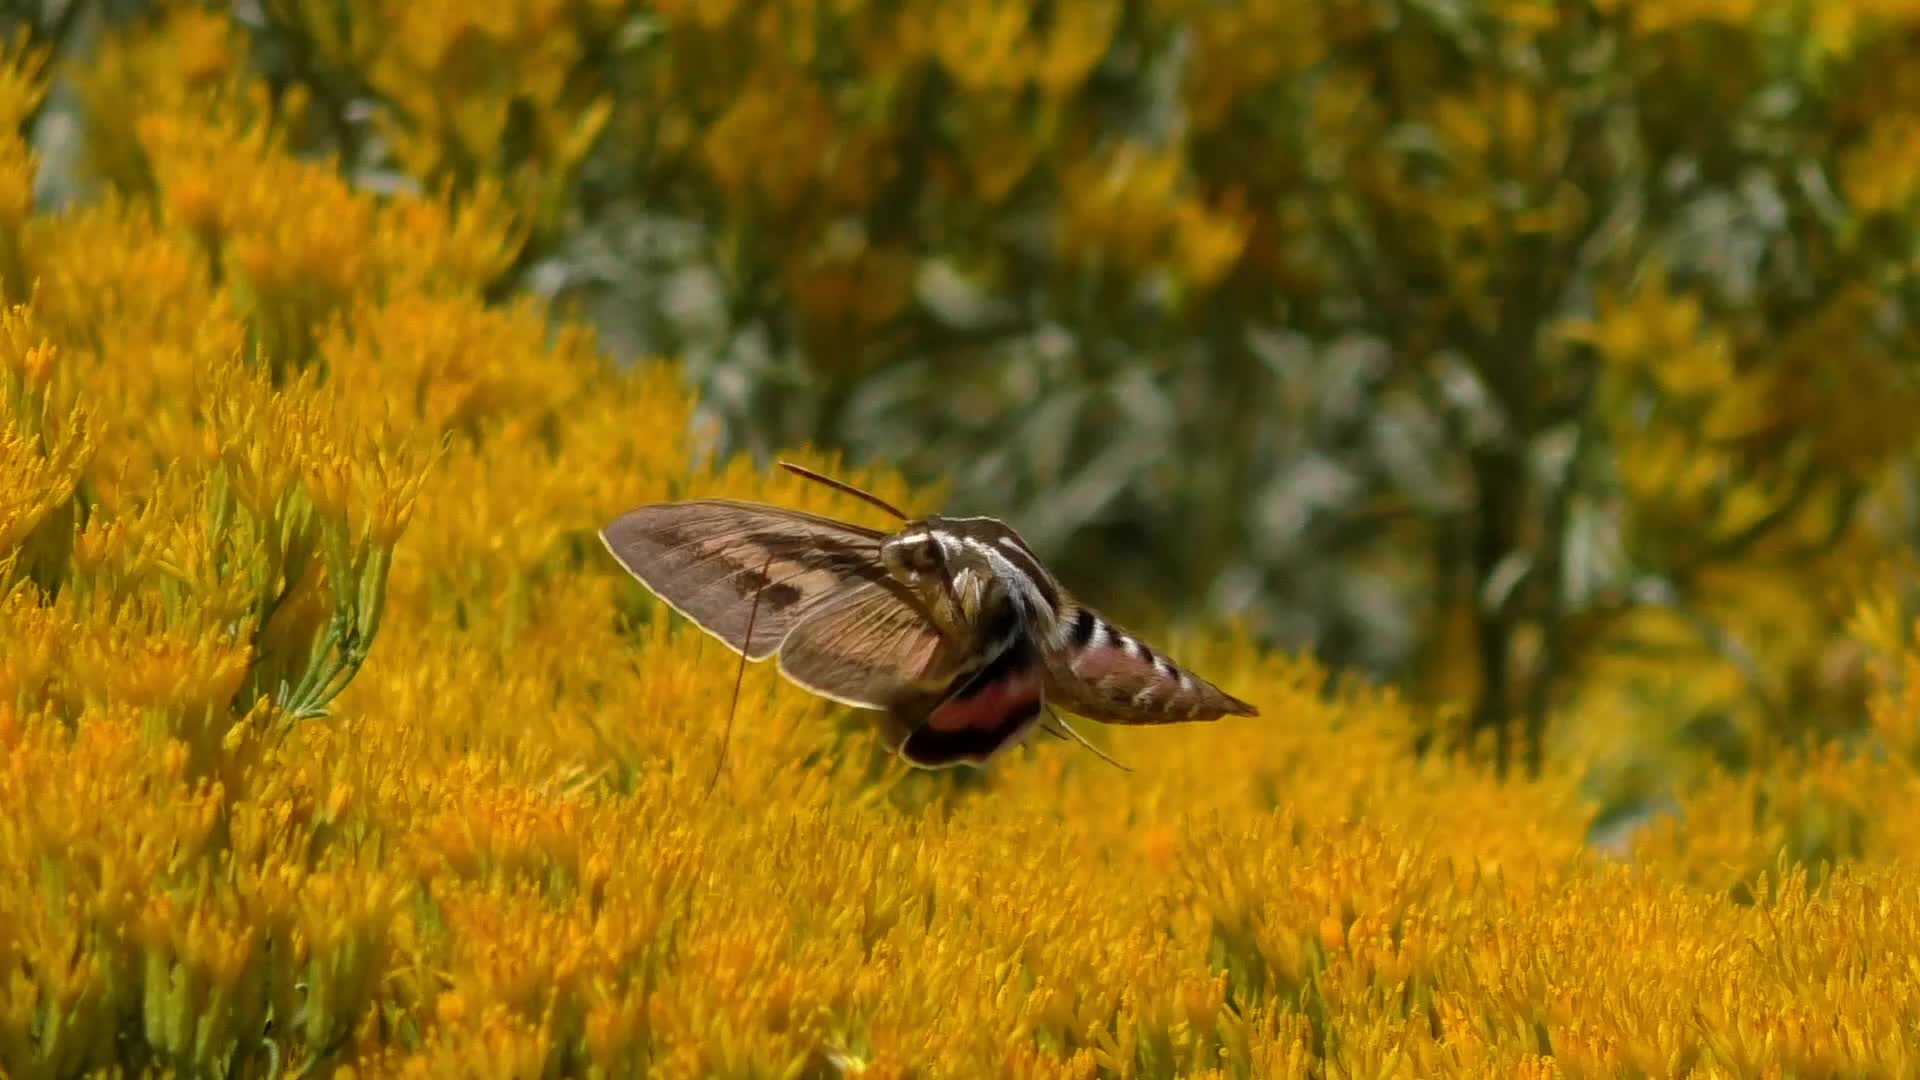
column 739, row 677
column 1056, row 718
column 893, row 729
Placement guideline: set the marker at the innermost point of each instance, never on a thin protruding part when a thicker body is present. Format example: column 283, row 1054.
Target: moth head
column 914, row 555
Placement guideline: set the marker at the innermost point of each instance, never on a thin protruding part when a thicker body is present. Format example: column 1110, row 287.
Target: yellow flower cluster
column 1127, row 207
column 1730, row 445
column 330, row 739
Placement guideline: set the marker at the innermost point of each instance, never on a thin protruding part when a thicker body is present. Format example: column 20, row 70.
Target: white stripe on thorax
column 1019, row 582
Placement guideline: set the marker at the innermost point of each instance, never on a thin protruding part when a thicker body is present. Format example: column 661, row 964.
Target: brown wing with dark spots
column 709, row 558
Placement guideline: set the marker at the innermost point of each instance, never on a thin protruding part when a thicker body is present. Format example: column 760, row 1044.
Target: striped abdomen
column 1100, row 671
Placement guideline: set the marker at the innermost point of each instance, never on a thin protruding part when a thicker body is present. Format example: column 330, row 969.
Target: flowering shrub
column 332, row 743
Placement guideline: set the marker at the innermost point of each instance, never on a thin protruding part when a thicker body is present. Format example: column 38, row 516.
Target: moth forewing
column 709, row 559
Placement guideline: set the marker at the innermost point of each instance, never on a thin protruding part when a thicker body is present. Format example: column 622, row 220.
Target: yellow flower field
column 333, row 743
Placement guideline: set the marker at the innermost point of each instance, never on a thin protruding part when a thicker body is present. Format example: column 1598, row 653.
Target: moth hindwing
column 950, row 626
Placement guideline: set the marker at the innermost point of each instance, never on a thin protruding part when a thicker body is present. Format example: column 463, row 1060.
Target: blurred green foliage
column 1549, row 357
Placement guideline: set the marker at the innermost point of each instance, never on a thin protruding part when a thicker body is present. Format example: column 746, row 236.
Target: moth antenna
column 740, row 676
column 843, row 486
column 1081, row 739
column 946, row 572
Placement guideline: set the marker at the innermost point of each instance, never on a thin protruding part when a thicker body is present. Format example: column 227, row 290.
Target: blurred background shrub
column 1549, row 358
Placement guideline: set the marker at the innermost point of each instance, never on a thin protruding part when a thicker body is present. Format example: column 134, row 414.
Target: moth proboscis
column 950, row 627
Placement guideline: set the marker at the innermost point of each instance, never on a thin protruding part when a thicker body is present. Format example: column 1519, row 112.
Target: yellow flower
column 22, row 88
column 1878, row 176
column 1121, row 205
column 1209, row 242
column 768, row 143
column 1076, row 41
column 986, row 44
column 997, row 139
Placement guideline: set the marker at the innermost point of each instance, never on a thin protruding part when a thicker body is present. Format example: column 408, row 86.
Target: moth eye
column 913, row 555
